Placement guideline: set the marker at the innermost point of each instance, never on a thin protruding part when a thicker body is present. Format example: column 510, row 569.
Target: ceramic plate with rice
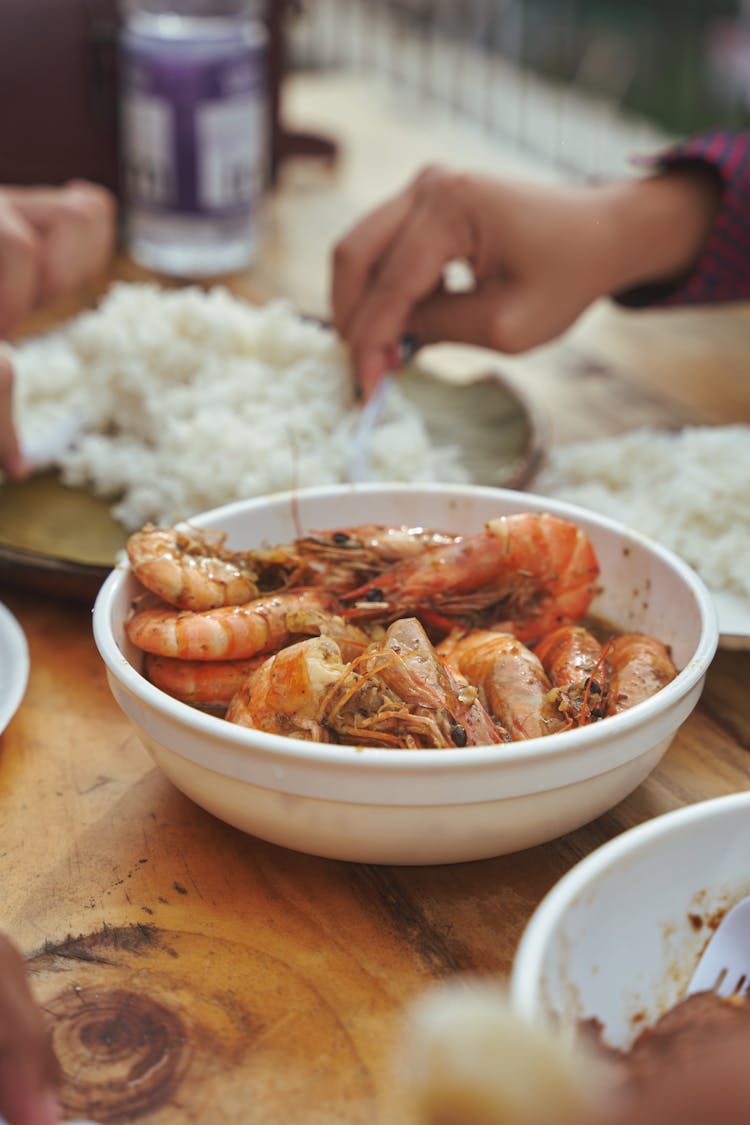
column 161, row 403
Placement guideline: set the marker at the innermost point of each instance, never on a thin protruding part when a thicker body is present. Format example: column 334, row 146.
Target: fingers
column 75, row 226
column 372, row 368
column 19, row 265
column 503, row 315
column 28, row 1068
column 538, row 256
column 51, row 241
column 466, row 318
column 394, row 259
column 11, row 459
column 358, row 253
column 81, row 244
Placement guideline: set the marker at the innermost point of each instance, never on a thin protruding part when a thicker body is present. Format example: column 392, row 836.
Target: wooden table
column 195, row 974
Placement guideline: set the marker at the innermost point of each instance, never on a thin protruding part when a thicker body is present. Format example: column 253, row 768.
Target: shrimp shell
column 400, row 694
column 232, row 632
column 206, row 683
column 284, row 696
column 342, row 559
column 193, row 569
column 189, row 568
column 527, row 573
column 573, row 659
column 639, row 666
column 512, row 683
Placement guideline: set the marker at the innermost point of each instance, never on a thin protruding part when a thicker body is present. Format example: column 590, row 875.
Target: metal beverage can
column 194, row 127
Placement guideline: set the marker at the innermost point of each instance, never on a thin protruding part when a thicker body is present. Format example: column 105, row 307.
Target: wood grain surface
column 191, row 973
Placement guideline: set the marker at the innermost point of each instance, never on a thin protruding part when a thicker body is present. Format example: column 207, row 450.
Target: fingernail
column 409, row 345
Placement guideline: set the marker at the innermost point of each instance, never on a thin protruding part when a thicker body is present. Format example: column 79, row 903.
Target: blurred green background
column 680, row 63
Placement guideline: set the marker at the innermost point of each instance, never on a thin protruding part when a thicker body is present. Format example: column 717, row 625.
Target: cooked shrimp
column 512, row 683
column 345, row 558
column 206, row 683
column 231, row 632
column 639, row 666
column 193, row 569
column 528, row 573
column 400, row 694
column 350, row 556
column 573, row 659
column 284, row 696
column 190, row 569
column 317, row 622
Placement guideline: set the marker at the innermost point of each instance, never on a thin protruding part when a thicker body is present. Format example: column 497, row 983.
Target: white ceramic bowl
column 619, row 936
column 421, row 806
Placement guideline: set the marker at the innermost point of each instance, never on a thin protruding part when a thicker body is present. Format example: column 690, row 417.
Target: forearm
column 656, row 227
column 721, row 270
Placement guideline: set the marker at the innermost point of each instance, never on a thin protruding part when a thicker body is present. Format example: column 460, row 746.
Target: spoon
column 724, row 967
column 370, row 414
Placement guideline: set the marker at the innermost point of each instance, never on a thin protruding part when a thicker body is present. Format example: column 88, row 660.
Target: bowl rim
column 394, row 760
column 537, row 938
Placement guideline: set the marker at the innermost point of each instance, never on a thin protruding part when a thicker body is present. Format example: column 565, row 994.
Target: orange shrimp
column 527, row 573
column 639, row 666
column 193, row 569
column 348, row 557
column 231, row 632
column 573, row 659
column 400, row 694
column 345, row 558
column 317, row 622
column 512, row 683
column 190, row 569
column 204, row 683
column 285, row 695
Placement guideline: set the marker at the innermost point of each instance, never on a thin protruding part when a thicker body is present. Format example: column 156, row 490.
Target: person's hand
column 539, row 256
column 28, row 1067
column 52, row 239
column 11, row 458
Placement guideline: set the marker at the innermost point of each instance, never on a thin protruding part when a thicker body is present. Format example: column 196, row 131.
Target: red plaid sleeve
column 722, row 273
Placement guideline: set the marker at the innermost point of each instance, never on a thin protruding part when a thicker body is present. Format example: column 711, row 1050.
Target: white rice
column 688, row 490
column 188, row 399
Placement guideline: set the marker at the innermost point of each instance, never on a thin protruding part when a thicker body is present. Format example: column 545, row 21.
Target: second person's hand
column 11, row 458
column 539, row 255
column 52, row 239
column 28, row 1068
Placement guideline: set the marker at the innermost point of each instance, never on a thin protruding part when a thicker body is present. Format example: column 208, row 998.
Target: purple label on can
column 194, row 125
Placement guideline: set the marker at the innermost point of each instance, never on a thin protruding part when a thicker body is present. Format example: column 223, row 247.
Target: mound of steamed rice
column 188, row 399
column 688, row 490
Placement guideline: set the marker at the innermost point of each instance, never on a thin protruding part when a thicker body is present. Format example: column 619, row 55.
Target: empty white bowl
column 618, row 938
column 421, row 806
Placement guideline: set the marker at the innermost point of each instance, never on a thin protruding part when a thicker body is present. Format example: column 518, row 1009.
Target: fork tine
column 729, row 984
column 724, row 965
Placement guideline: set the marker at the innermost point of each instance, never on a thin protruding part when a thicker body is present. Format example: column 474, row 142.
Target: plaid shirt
column 722, row 273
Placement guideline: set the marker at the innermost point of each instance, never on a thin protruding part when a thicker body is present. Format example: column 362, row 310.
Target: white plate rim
column 733, row 612
column 536, row 939
column 14, row 654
